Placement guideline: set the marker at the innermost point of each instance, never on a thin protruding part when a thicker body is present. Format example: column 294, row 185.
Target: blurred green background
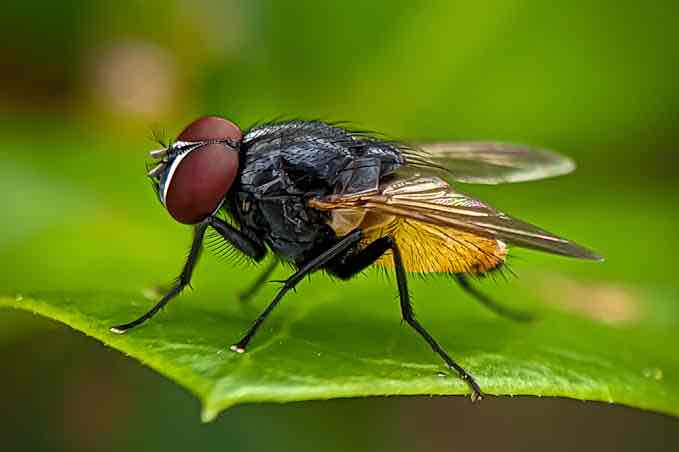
column 83, row 84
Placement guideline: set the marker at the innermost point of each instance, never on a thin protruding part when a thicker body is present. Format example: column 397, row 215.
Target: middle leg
column 312, row 265
column 245, row 295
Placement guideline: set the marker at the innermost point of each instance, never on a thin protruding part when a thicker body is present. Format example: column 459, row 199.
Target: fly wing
column 432, row 201
column 486, row 162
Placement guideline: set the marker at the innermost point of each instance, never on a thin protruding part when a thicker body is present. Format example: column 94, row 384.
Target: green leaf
column 348, row 342
column 604, row 332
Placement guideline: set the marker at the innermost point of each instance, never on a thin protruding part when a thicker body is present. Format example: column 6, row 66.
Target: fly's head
column 194, row 173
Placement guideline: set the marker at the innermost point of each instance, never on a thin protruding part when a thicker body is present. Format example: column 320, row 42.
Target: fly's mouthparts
column 159, row 154
column 156, row 170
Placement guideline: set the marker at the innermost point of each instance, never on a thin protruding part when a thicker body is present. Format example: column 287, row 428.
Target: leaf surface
column 605, row 332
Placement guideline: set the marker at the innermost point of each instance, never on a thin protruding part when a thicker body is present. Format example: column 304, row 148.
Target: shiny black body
column 285, row 164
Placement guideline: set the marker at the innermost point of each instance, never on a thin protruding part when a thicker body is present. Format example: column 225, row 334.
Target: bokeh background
column 83, row 84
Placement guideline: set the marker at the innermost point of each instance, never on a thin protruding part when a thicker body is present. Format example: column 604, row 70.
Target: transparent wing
column 485, row 162
column 431, row 200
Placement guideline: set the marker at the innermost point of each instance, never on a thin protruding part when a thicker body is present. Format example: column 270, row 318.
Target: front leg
column 182, row 281
column 242, row 243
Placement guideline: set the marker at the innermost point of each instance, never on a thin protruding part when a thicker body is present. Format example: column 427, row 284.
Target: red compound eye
column 211, row 128
column 202, row 178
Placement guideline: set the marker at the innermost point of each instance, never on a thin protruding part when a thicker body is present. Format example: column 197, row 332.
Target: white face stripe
column 170, row 173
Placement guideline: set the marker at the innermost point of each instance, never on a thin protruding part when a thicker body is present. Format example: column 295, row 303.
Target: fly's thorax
column 197, row 171
column 284, row 165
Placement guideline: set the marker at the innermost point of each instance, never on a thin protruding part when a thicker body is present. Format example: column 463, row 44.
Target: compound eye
column 210, row 128
column 199, row 180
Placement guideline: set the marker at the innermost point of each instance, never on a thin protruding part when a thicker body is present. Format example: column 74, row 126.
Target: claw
column 476, row 396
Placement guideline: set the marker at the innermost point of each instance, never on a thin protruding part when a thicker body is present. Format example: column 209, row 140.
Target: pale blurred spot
column 153, row 293
column 602, row 301
column 653, row 373
column 134, row 77
column 219, row 25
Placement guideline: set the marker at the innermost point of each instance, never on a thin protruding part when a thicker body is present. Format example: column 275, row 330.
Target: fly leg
column 251, row 248
column 181, row 282
column 358, row 262
column 248, row 293
column 488, row 302
column 237, row 239
column 312, row 265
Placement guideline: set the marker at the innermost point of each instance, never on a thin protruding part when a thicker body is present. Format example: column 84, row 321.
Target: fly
column 323, row 197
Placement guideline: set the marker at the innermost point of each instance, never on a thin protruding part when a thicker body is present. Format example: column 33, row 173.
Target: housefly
column 323, row 197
